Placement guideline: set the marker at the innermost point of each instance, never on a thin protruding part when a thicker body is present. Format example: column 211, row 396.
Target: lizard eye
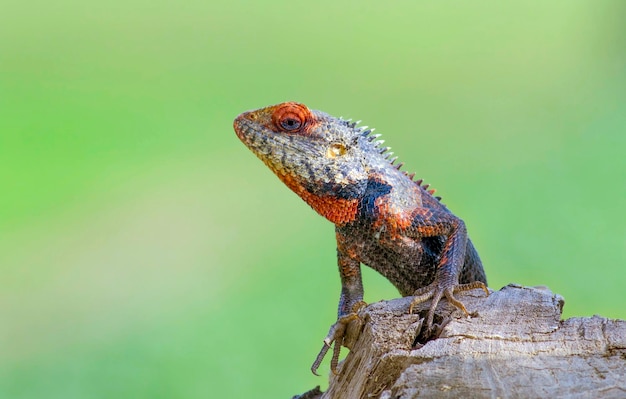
column 290, row 124
column 291, row 117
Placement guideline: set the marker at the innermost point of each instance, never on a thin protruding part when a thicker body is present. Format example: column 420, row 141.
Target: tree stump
column 514, row 345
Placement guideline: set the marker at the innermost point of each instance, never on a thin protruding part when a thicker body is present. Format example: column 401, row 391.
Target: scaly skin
column 382, row 217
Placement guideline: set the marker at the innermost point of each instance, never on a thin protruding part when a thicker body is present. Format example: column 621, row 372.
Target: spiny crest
column 366, row 132
column 349, row 123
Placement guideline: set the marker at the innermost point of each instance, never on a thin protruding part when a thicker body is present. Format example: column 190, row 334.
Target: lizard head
column 320, row 157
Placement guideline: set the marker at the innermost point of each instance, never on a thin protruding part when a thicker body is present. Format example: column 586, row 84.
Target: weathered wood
column 514, row 346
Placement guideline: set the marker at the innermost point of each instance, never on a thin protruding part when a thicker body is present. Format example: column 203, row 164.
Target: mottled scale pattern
column 383, row 218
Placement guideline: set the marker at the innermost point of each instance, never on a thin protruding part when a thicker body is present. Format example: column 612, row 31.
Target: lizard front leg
column 428, row 223
column 350, row 302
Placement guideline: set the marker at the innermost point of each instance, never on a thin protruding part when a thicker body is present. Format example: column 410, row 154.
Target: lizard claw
column 337, row 335
column 437, row 291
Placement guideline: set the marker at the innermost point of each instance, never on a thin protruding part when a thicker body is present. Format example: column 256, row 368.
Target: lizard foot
column 337, row 335
column 436, row 291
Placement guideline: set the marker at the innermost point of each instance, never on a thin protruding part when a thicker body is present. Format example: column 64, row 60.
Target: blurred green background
column 146, row 253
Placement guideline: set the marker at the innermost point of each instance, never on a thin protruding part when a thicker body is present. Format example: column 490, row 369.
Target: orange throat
column 337, row 210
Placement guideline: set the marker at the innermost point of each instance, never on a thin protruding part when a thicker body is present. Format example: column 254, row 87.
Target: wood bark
column 514, row 345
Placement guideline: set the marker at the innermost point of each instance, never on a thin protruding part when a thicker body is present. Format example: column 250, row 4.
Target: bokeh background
column 144, row 252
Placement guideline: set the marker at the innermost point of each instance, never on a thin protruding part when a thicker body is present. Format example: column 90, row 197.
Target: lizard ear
column 291, row 117
column 336, row 150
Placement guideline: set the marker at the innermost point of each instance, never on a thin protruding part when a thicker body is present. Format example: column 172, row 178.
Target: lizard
column 383, row 217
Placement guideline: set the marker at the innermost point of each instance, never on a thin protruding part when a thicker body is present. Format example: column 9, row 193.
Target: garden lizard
column 383, row 217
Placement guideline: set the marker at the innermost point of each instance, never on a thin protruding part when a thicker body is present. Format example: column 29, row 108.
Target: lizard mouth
column 247, row 129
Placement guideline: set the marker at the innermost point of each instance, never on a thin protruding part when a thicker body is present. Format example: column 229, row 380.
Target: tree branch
column 515, row 345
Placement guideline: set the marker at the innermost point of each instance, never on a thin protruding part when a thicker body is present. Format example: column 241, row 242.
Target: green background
column 146, row 253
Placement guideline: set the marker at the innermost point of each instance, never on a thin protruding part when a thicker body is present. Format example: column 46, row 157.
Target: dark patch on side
column 339, row 191
column 432, row 247
column 367, row 206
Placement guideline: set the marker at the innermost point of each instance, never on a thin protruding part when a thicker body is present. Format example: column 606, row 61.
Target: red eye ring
column 291, row 117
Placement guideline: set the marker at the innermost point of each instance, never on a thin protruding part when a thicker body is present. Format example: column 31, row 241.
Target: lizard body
column 383, row 218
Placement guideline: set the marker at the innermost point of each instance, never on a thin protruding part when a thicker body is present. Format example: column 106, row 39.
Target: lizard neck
column 337, row 210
